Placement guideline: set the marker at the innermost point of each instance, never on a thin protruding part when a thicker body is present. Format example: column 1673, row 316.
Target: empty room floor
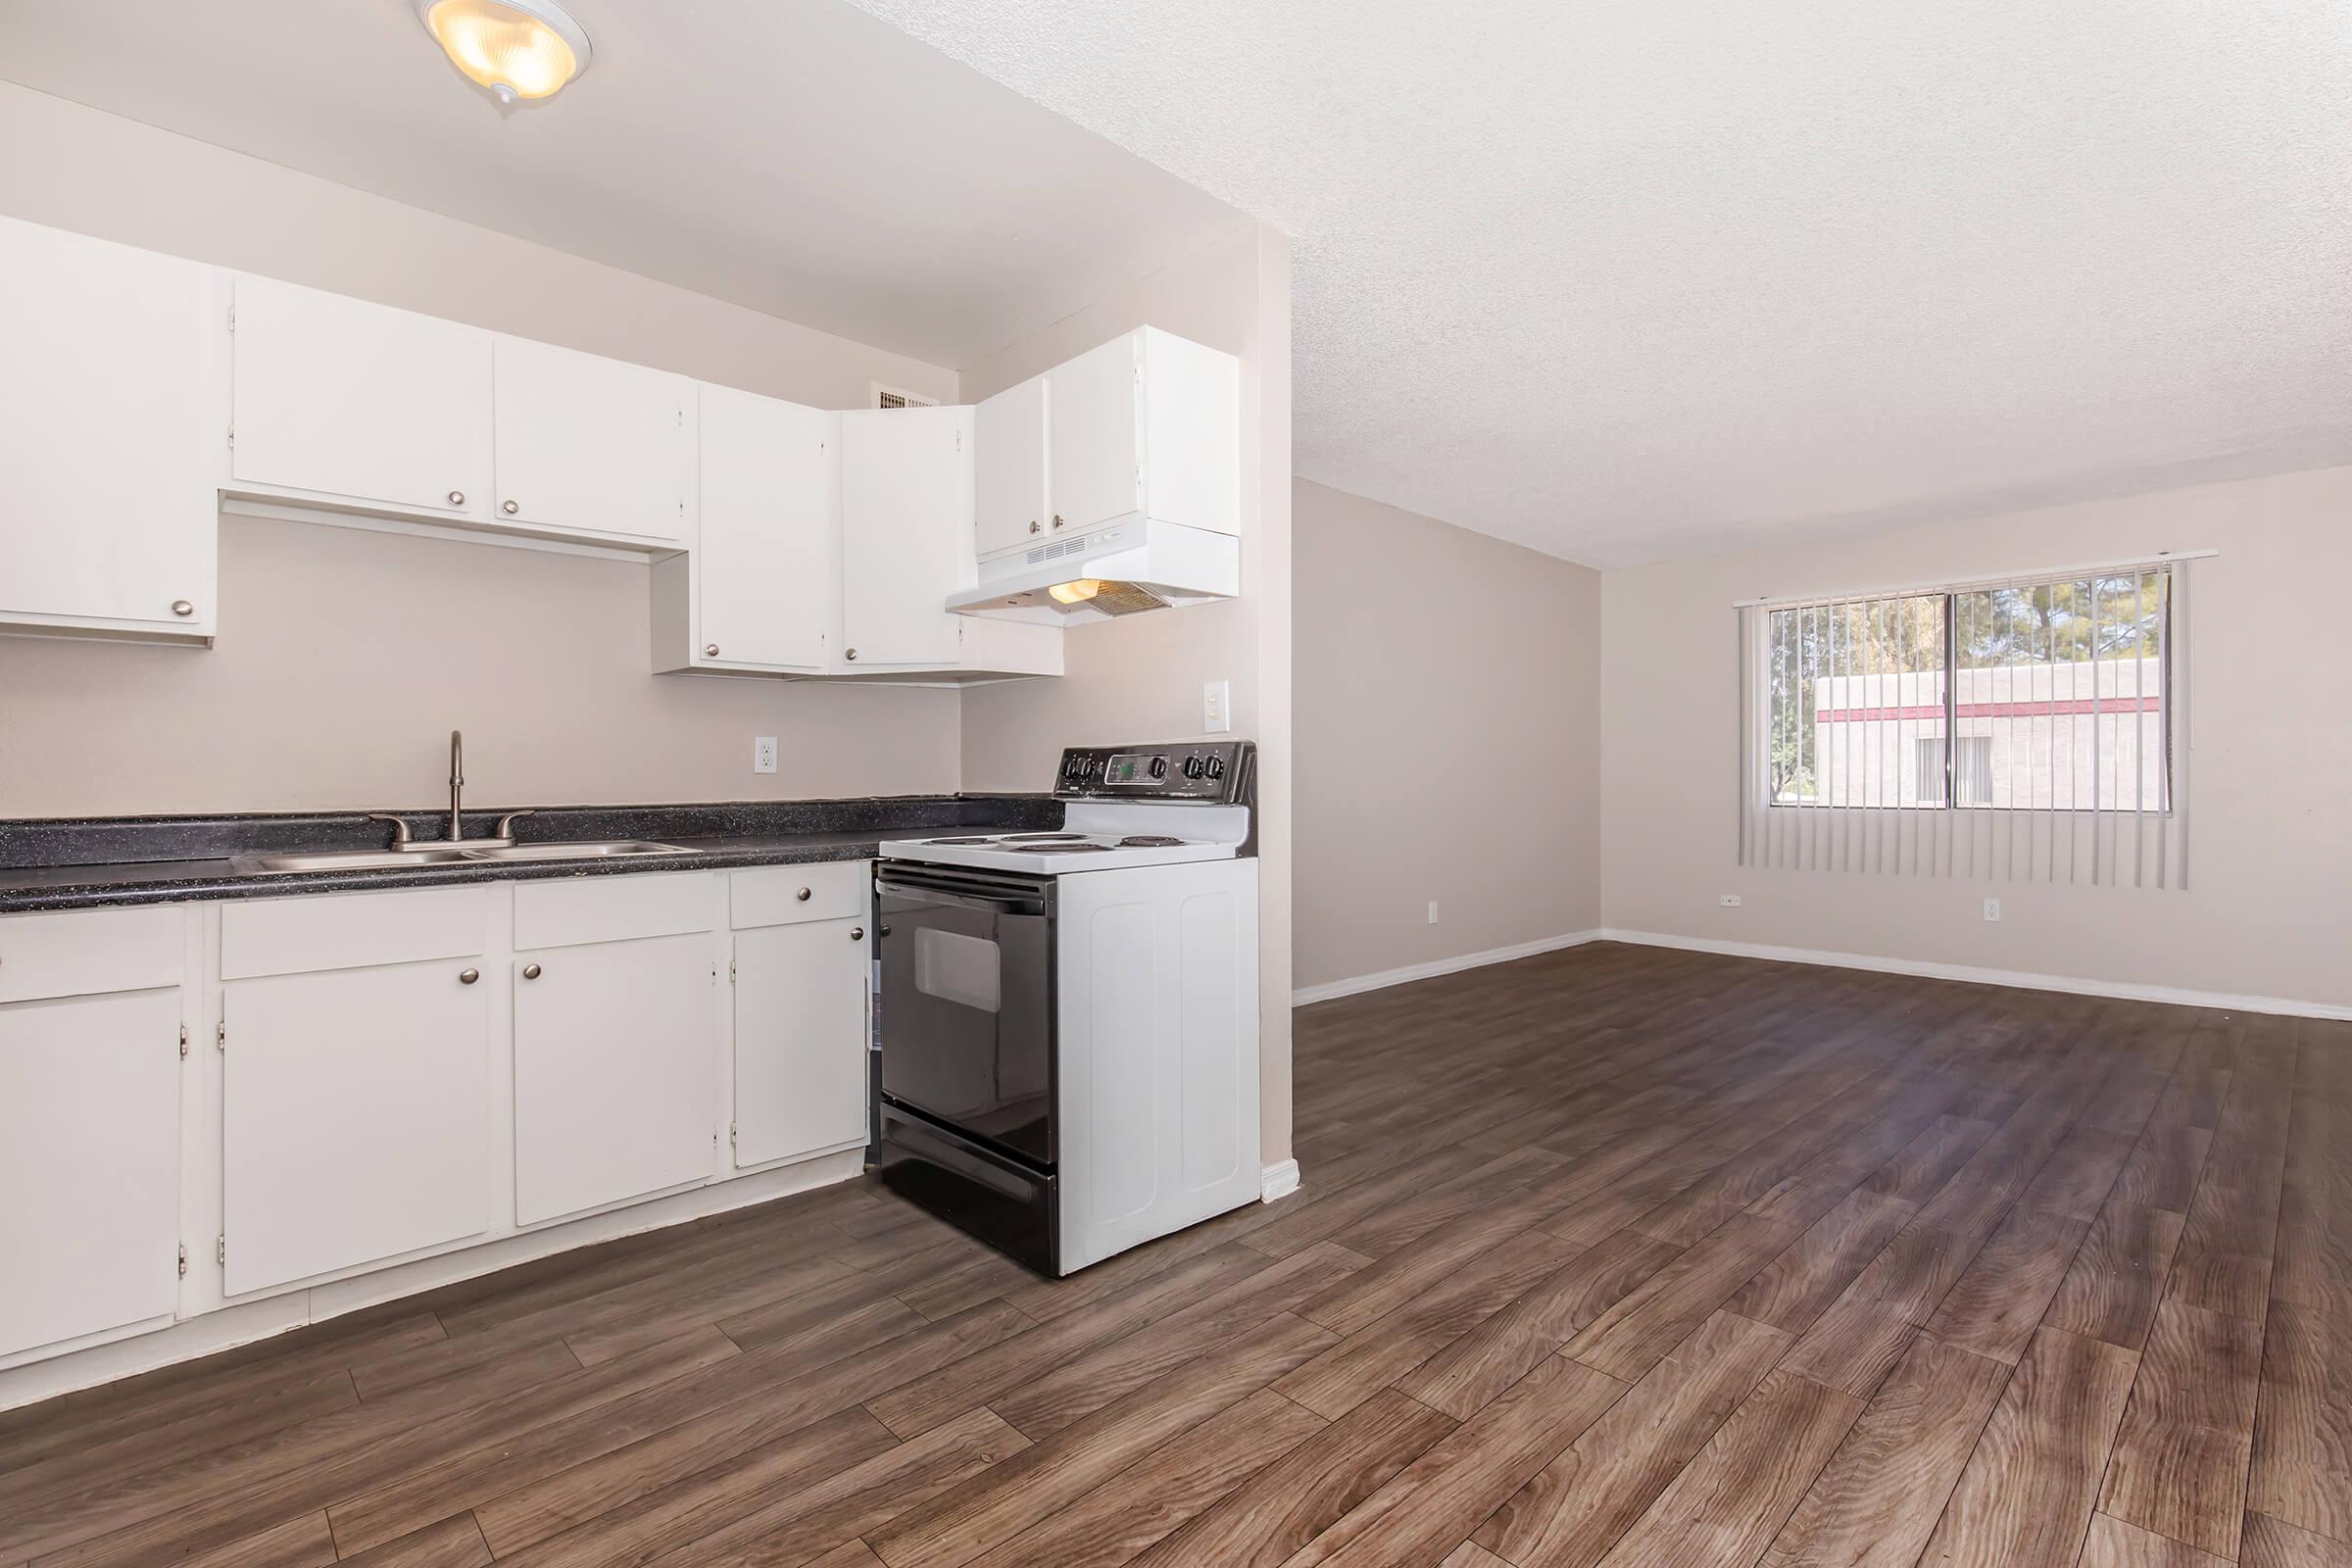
column 1619, row 1256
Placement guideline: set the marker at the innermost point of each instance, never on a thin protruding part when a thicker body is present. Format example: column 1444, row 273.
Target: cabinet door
column 355, row 1117
column 350, row 399
column 906, row 535
column 616, row 1072
column 763, row 554
column 107, row 505
column 589, row 445
column 1009, row 467
column 89, row 1159
column 1096, row 477
column 800, row 1039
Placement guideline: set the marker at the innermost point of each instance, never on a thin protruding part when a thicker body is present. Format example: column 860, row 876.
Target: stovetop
column 1124, row 805
column 1060, row 852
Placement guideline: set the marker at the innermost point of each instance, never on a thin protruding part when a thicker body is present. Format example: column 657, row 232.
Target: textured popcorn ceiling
column 798, row 156
column 1635, row 280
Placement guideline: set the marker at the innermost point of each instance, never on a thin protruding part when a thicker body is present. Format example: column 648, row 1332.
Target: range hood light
column 1076, row 593
column 518, row 49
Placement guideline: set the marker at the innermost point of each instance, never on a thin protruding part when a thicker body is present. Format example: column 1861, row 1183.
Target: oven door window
column 967, row 1019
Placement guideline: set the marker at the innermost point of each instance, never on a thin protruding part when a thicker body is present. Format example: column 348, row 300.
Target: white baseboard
column 1281, row 1181
column 1306, row 995
column 2024, row 979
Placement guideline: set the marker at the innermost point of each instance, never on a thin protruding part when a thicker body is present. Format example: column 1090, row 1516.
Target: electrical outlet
column 763, row 754
column 1992, row 909
column 1217, row 708
column 1730, row 901
column 1433, row 911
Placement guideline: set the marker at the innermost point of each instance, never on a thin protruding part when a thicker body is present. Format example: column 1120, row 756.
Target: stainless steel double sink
column 452, row 855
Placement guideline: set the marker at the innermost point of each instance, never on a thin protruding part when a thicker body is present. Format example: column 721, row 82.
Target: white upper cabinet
column 591, row 447
column 907, row 544
column 347, row 399
column 1147, row 425
column 1094, row 468
column 1008, row 466
column 907, row 528
column 757, row 591
column 107, row 456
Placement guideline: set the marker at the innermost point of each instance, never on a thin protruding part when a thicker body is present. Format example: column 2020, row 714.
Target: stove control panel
column 1220, row 773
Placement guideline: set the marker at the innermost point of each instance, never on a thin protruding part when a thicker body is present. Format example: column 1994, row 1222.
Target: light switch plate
column 763, row 754
column 1217, row 708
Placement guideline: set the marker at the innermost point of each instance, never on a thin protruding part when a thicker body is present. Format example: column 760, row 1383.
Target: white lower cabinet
column 616, row 1078
column 353, row 1111
column 800, row 1039
column 355, row 1117
column 89, row 1161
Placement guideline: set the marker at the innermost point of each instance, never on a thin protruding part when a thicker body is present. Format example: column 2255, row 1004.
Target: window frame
column 1949, row 670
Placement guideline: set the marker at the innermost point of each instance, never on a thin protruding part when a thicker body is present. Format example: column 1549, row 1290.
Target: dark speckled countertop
column 60, row 864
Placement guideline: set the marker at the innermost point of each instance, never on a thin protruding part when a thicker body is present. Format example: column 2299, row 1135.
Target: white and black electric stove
column 1069, row 1018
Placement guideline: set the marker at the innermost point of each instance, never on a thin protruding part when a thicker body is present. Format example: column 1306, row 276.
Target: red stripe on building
column 2023, row 710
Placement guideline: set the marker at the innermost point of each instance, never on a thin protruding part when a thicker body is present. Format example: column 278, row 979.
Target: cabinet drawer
column 80, row 953
column 612, row 909
column 352, row 931
column 784, row 895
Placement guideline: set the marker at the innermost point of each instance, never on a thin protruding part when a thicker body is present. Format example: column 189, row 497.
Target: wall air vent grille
column 1054, row 552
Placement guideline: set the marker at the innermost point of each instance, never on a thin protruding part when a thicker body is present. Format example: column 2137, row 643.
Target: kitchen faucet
column 502, row 838
column 457, row 785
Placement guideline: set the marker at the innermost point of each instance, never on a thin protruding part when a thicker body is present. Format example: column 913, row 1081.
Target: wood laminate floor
column 1617, row 1257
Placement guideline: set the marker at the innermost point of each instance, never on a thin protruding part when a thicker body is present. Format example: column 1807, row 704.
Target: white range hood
column 1128, row 567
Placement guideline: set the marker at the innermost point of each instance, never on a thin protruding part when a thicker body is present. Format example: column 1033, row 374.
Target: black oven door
column 968, row 1004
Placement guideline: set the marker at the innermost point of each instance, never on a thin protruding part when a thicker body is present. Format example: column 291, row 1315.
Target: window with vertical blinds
column 2023, row 729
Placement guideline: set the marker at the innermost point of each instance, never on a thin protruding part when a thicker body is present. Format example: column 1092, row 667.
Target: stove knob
column 1217, row 767
column 1194, row 768
column 1160, row 767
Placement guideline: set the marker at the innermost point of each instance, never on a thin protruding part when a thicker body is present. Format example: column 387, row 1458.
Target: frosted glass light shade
column 518, row 49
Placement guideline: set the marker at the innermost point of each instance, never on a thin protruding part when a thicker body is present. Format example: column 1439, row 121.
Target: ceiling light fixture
column 520, row 49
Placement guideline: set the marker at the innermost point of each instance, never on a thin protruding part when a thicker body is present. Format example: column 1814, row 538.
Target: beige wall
column 2270, row 892
column 1448, row 688
column 345, row 657
column 1140, row 679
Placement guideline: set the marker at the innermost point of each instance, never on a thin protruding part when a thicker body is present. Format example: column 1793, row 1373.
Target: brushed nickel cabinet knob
column 850, row 653
column 856, row 933
column 803, row 894
column 182, row 608
column 1058, row 520
column 530, row 971
column 457, row 498
column 1033, row 527
column 509, row 508
column 710, row 650
column 467, row 977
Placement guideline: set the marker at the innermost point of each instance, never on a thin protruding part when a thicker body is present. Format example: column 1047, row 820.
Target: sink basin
column 593, row 849
column 348, row 860
column 393, row 859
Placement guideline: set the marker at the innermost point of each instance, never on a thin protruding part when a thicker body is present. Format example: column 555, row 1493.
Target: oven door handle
column 919, row 894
